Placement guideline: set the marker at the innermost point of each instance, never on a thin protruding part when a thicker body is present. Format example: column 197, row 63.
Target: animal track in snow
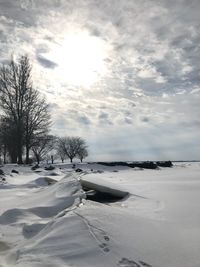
column 104, row 246
column 106, row 238
column 97, row 233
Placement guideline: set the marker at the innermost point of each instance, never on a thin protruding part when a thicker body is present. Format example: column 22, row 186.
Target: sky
column 123, row 74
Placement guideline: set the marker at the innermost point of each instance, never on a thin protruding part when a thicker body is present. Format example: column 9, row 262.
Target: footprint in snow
column 104, row 247
column 106, row 238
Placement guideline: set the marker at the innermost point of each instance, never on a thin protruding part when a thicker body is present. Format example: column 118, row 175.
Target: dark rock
column 144, row 164
column 78, row 170
column 73, row 166
column 49, row 168
column 3, row 179
column 14, row 171
column 35, row 167
column 2, row 172
column 164, row 163
column 112, row 164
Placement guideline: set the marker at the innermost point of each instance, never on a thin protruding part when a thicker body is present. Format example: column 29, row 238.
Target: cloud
column 104, row 118
column 151, row 84
column 84, row 120
column 145, row 119
column 103, row 115
column 46, row 63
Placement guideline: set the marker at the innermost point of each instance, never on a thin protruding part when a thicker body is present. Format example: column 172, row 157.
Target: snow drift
column 45, row 221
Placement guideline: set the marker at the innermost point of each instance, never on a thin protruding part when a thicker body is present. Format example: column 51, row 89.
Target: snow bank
column 43, row 181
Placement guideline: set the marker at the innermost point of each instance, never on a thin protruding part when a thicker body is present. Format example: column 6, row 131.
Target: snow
column 45, row 219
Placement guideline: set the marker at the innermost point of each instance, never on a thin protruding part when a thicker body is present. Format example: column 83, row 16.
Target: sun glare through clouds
column 80, row 58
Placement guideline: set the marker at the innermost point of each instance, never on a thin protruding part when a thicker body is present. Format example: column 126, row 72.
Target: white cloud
column 150, row 88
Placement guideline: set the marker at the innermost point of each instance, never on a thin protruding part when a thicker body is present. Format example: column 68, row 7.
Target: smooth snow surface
column 45, row 219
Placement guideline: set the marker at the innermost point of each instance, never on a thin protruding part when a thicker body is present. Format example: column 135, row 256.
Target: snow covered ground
column 45, row 219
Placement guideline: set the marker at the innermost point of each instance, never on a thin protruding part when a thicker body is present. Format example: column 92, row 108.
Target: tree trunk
column 4, row 159
column 71, row 159
column 38, row 159
column 19, row 146
column 19, row 156
column 13, row 154
column 13, row 158
column 52, row 160
column 4, row 156
column 27, row 155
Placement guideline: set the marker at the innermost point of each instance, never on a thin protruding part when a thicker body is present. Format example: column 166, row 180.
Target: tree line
column 25, row 120
column 51, row 147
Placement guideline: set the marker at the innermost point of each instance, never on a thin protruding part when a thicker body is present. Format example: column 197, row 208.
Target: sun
column 80, row 58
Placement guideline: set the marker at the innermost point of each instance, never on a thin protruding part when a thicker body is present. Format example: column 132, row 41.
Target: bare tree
column 22, row 105
column 42, row 147
column 14, row 84
column 36, row 120
column 70, row 146
column 82, row 153
column 3, row 141
column 8, row 140
column 51, row 155
column 60, row 148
